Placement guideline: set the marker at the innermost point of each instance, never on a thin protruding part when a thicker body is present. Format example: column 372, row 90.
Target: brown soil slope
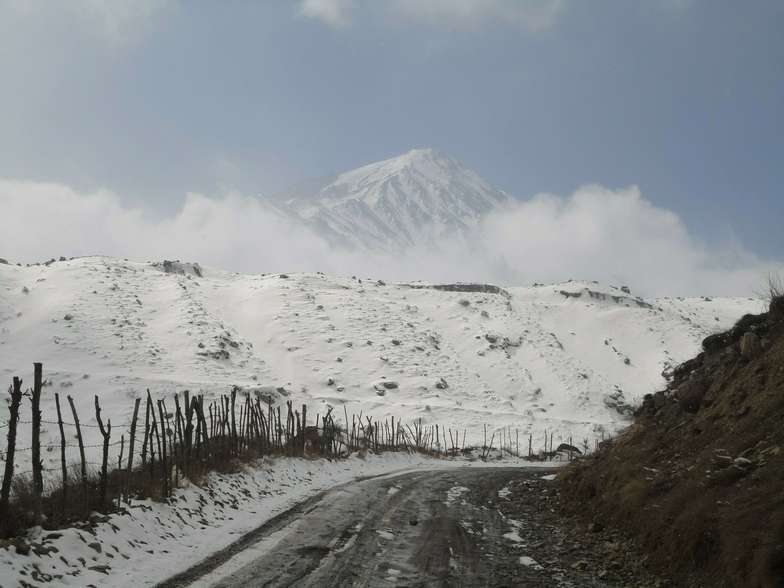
column 698, row 479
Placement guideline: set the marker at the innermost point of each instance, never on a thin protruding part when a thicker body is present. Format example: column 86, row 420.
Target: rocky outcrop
column 480, row 288
column 696, row 479
column 179, row 268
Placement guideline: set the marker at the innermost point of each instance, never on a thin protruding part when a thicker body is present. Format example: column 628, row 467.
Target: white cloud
column 336, row 13
column 614, row 236
column 232, row 232
column 534, row 15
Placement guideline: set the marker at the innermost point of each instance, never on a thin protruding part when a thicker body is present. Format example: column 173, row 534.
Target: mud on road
column 457, row 527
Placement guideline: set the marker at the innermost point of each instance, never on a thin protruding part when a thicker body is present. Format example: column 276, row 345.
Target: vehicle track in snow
column 458, row 527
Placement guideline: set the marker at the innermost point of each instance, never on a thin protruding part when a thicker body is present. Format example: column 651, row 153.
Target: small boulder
column 690, row 394
column 22, row 546
column 750, row 344
column 382, row 386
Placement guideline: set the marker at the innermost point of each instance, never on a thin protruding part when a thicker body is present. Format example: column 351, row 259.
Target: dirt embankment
column 698, row 479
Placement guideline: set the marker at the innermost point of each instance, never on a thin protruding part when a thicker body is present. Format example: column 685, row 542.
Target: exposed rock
column 749, row 344
column 103, row 569
column 718, row 341
column 696, row 478
column 616, row 401
column 178, row 267
column 691, row 393
column 483, row 288
column 267, row 394
column 566, row 448
column 382, row 386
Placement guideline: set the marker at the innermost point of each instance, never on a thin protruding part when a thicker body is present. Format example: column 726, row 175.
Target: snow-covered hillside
column 411, row 199
column 564, row 357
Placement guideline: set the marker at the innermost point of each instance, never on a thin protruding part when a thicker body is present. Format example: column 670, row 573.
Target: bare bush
column 775, row 294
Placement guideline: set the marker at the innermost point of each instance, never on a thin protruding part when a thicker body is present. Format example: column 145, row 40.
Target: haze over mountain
column 416, row 198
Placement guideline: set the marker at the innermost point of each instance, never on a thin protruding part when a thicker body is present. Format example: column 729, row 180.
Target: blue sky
column 153, row 99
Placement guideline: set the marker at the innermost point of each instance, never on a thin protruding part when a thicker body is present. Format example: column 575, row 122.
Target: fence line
column 160, row 446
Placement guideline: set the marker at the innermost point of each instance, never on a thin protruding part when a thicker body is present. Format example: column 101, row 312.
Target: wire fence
column 193, row 440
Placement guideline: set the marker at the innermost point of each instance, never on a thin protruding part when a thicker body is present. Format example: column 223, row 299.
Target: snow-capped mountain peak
column 413, row 198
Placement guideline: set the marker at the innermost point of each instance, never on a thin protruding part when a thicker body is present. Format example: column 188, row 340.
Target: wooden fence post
column 85, row 489
column 106, row 433
column 62, row 453
column 233, row 421
column 131, row 442
column 162, row 451
column 146, row 430
column 8, row 474
column 161, row 463
column 120, row 470
column 38, row 481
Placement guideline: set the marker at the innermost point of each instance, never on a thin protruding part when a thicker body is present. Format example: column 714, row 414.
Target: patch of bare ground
column 698, row 479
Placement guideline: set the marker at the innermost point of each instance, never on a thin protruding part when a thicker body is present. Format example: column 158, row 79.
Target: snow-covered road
column 458, row 527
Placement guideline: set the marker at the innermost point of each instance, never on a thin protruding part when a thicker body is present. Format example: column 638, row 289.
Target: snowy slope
column 558, row 357
column 411, row 199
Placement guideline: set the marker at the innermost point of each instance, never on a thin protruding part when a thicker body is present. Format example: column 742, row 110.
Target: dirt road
column 459, row 527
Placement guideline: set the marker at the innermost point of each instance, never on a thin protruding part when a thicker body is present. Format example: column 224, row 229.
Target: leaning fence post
column 16, row 399
column 62, row 452
column 164, row 461
column 81, row 455
column 162, row 450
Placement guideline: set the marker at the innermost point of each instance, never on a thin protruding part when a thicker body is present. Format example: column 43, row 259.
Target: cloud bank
column 614, row 236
